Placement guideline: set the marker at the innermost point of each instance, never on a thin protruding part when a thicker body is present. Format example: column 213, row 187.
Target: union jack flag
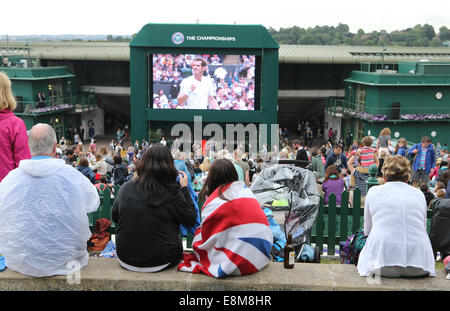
column 234, row 238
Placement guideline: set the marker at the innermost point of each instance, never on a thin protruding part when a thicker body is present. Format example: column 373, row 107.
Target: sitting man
column 337, row 158
column 44, row 203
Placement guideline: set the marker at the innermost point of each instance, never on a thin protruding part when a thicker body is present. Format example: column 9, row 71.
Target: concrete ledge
column 103, row 274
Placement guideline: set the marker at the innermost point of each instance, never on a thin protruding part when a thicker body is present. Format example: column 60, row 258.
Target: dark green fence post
column 356, row 209
column 372, row 180
column 319, row 226
column 331, row 224
column 189, row 240
column 106, row 210
column 344, row 216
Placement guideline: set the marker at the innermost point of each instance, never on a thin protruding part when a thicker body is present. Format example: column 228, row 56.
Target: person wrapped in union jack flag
column 235, row 237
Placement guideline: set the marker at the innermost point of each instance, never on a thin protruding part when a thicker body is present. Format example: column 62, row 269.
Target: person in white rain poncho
column 44, row 203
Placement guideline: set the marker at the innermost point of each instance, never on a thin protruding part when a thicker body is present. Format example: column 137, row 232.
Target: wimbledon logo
column 177, row 38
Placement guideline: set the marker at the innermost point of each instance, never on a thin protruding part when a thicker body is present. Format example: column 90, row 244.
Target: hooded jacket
column 13, row 142
column 430, row 157
column 88, row 172
column 44, row 225
column 147, row 225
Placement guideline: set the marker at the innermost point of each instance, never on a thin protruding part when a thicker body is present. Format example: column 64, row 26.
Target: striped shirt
column 367, row 156
column 423, row 153
column 360, row 181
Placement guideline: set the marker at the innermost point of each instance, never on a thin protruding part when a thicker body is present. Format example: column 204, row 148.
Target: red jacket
column 13, row 142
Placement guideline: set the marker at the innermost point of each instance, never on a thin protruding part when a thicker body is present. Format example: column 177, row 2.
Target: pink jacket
column 13, row 142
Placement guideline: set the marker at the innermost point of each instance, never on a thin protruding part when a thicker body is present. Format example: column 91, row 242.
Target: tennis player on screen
column 197, row 90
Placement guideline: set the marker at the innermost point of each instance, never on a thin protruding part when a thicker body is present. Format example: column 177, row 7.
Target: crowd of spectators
column 160, row 183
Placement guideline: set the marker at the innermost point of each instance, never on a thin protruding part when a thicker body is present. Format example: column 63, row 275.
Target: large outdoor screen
column 190, row 81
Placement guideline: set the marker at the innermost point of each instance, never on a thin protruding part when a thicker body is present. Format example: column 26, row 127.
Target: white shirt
column 101, row 167
column 395, row 218
column 220, row 73
column 198, row 99
column 44, row 225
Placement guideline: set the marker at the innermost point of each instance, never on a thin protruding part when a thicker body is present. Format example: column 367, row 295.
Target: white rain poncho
column 44, row 225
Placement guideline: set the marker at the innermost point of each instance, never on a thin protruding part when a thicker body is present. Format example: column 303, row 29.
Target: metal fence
column 78, row 103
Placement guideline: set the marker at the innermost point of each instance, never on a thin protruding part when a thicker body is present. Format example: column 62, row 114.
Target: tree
column 342, row 28
column 435, row 42
column 335, row 41
column 418, row 32
column 308, row 39
column 348, row 41
column 109, row 38
column 329, row 35
column 429, row 31
column 324, row 38
column 444, row 34
column 420, row 42
column 296, row 33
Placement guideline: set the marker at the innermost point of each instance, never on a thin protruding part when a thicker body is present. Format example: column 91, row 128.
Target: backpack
column 349, row 250
column 279, row 239
column 411, row 157
column 100, row 238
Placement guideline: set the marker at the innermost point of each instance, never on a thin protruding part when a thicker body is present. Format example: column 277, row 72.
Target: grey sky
column 127, row 17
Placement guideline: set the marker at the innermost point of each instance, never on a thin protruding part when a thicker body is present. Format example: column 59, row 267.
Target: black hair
column 221, row 173
column 156, row 170
column 117, row 159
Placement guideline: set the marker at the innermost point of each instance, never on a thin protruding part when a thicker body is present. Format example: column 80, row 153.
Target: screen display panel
column 212, row 81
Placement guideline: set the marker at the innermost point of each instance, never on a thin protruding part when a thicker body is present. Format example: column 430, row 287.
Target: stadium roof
column 300, row 54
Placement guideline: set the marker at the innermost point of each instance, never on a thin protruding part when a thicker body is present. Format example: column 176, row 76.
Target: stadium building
column 311, row 79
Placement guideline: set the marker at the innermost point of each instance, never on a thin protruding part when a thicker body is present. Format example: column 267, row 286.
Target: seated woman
column 395, row 220
column 332, row 183
column 148, row 212
column 84, row 169
column 100, row 165
column 235, row 237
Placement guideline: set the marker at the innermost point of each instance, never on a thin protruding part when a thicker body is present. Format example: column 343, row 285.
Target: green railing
column 333, row 224
column 344, row 108
column 77, row 103
column 104, row 210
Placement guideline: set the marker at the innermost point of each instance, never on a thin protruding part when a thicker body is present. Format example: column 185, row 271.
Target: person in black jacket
column 119, row 171
column 301, row 153
column 148, row 212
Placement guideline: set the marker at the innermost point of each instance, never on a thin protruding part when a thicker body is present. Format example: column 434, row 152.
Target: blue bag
column 2, row 263
column 279, row 239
